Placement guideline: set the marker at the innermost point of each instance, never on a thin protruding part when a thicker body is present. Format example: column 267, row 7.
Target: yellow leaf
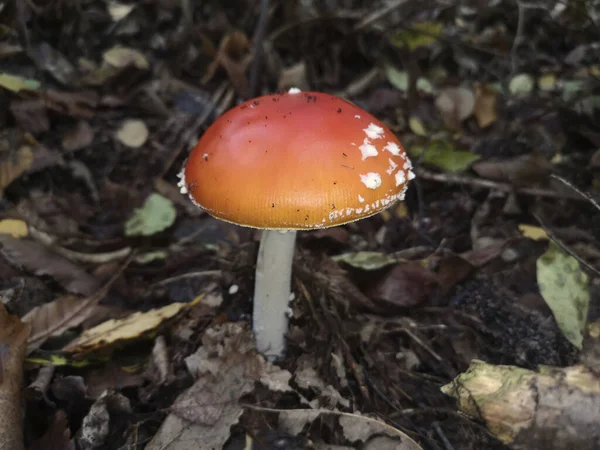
column 130, row 328
column 533, row 232
column 416, row 126
column 16, row 228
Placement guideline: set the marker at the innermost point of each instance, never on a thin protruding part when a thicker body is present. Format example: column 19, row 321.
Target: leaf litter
column 492, row 102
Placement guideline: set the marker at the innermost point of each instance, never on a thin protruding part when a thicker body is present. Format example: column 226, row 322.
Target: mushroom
column 287, row 162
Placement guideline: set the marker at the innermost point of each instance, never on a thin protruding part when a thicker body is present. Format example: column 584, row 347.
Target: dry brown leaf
column 230, row 56
column 455, row 105
column 13, row 165
column 30, row 114
column 13, row 344
column 485, row 105
column 227, row 367
column 405, row 285
column 78, row 137
column 520, row 171
column 54, row 318
column 36, row 258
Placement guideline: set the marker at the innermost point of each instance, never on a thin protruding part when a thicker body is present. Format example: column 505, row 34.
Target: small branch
column 466, row 180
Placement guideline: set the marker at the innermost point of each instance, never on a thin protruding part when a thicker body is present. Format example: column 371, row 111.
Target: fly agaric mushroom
column 289, row 162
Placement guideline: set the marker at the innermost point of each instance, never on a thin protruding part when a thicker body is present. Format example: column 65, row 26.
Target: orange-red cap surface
column 298, row 160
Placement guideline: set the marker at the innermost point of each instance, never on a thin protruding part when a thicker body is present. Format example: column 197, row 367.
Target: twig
column 581, row 193
column 376, row 15
column 259, row 36
column 466, row 180
column 518, row 37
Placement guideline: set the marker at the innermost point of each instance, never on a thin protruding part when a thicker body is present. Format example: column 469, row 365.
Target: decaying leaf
column 231, row 57
column 485, row 105
column 96, row 426
column 121, row 57
column 405, row 285
column 13, row 165
column 14, row 227
column 226, row 367
column 553, row 409
column 357, row 429
column 156, row 214
column 443, row 155
column 113, row 332
column 533, row 232
column 78, row 137
column 564, row 287
column 521, row 170
column 13, row 344
column 132, row 133
column 366, row 260
column 39, row 260
column 54, row 62
column 455, row 105
column 54, row 318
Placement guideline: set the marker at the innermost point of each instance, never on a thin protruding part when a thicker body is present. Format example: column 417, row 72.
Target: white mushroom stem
column 272, row 291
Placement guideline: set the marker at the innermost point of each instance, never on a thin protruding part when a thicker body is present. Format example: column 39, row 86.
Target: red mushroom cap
column 298, row 160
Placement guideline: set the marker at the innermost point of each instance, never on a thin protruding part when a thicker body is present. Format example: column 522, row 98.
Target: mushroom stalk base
column 272, row 291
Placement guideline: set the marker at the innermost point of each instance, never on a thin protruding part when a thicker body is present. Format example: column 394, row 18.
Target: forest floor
column 493, row 257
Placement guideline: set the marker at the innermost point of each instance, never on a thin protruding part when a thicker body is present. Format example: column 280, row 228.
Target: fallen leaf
column 405, row 285
column 294, row 76
column 356, row 427
column 113, row 332
column 421, row 34
column 416, row 126
column 156, row 214
column 54, row 318
column 366, row 260
column 547, row 82
column 230, row 56
column 455, row 105
column 443, row 155
column 524, row 409
column 399, row 79
column 132, row 133
column 533, row 232
column 118, row 10
column 54, row 62
column 14, row 227
column 226, row 367
column 521, row 170
column 13, row 344
column 521, row 84
column 485, row 105
column 564, row 287
column 121, row 57
column 78, row 137
column 30, row 114
column 14, row 164
column 96, row 425
column 15, row 83
column 37, row 259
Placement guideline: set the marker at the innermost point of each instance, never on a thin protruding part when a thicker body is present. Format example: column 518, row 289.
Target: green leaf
column 564, row 287
column 421, row 34
column 443, row 155
column 156, row 214
column 366, row 260
column 399, row 79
